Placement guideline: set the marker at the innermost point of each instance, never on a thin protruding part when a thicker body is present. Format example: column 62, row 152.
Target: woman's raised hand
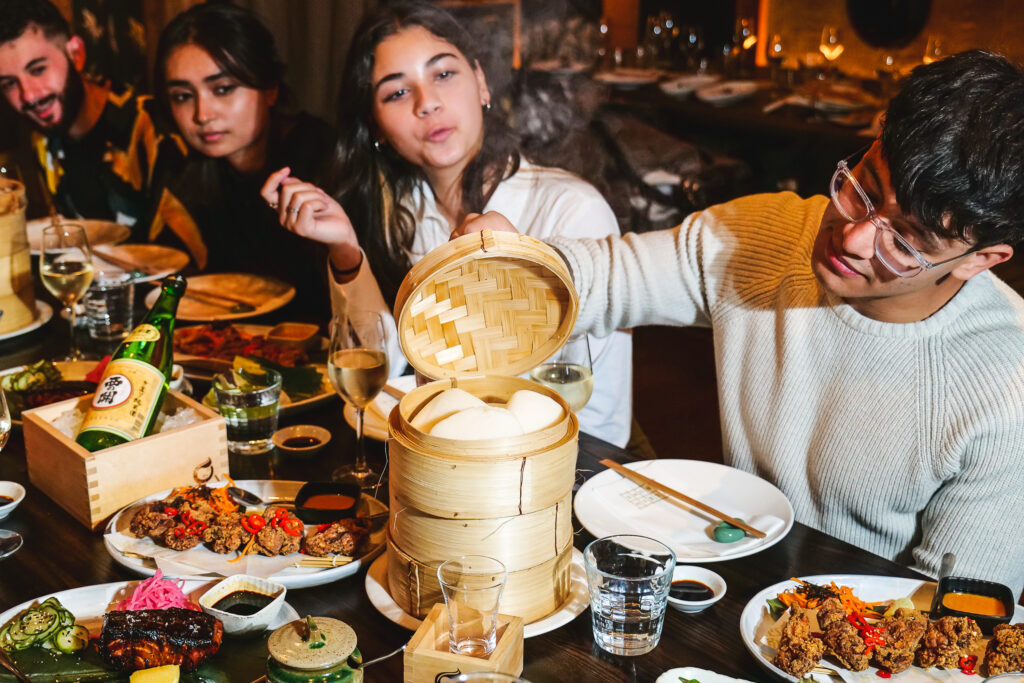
column 476, row 222
column 306, row 210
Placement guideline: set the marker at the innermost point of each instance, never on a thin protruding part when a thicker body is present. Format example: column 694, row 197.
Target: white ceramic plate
column 43, row 315
column 268, row 490
column 375, row 419
column 609, row 504
column 89, row 603
column 265, row 294
column 160, row 260
column 574, row 605
column 728, row 92
column 97, row 232
column 628, row 78
column 684, row 85
column 755, row 622
column 702, row 675
column 70, row 370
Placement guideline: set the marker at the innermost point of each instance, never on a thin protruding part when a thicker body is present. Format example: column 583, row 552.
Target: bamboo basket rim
column 513, row 447
column 484, row 450
column 485, row 245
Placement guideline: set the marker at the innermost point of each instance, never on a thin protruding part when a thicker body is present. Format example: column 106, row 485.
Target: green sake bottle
column 128, row 398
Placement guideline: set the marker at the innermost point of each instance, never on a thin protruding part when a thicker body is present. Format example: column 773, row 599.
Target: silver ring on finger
column 272, row 205
column 294, row 212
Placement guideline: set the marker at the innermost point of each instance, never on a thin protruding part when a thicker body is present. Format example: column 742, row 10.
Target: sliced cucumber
column 71, row 639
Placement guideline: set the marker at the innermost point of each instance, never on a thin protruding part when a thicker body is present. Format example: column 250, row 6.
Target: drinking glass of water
column 249, row 402
column 570, row 372
column 629, row 579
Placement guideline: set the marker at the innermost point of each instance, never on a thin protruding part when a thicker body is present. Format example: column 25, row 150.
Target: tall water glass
column 249, row 402
column 472, row 586
column 629, row 579
column 109, row 303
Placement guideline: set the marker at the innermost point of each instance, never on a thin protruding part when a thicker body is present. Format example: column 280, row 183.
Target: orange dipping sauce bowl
column 322, row 502
column 987, row 602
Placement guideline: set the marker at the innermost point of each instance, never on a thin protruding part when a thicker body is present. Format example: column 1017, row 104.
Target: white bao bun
column 534, row 411
column 443, row 405
column 478, row 423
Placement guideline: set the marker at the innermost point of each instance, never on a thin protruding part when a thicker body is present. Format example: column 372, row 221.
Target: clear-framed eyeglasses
column 891, row 248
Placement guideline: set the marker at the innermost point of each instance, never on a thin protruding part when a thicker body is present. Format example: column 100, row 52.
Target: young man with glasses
column 868, row 363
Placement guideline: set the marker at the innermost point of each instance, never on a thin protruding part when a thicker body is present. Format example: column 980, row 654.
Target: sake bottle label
column 125, row 399
column 143, row 333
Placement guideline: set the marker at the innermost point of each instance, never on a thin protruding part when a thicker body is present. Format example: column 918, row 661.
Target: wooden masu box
column 93, row 486
column 428, row 655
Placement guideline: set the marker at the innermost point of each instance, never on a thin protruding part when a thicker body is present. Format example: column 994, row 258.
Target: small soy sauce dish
column 302, row 441
column 323, row 502
column 246, row 605
column 694, row 589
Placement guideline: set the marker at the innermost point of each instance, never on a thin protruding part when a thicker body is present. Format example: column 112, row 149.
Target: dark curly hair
column 371, row 184
column 954, row 142
column 235, row 39
column 17, row 15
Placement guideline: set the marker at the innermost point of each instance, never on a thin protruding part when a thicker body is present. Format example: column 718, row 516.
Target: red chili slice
column 292, row 527
column 253, row 523
column 884, row 673
column 170, row 511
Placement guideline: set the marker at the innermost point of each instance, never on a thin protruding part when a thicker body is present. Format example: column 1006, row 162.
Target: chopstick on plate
column 392, row 391
column 330, row 561
column 648, row 483
column 121, row 262
column 192, row 289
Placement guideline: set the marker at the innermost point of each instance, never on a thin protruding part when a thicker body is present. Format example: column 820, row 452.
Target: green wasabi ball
column 727, row 533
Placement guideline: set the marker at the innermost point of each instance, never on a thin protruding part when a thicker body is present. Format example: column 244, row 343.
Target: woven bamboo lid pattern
column 489, row 303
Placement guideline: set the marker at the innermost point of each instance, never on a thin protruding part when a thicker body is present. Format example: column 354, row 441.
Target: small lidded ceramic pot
column 314, row 650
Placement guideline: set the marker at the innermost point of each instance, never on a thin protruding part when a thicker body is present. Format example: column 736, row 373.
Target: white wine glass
column 357, row 364
column 570, row 372
column 65, row 266
column 10, row 541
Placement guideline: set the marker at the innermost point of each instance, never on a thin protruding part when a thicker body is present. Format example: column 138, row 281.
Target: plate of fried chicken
column 199, row 530
column 829, row 642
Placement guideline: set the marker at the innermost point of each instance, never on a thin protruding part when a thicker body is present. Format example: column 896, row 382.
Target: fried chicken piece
column 226, row 534
column 179, row 538
column 152, row 521
column 343, row 537
column 1005, row 651
column 830, row 611
column 799, row 652
column 946, row 641
column 902, row 632
column 273, row 540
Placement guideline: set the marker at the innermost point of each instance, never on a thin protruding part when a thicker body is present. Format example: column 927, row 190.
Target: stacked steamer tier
column 17, row 300
column 477, row 312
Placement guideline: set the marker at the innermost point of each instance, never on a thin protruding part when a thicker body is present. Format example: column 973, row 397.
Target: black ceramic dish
column 959, row 584
column 321, row 515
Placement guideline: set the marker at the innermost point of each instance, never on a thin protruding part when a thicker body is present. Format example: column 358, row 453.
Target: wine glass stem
column 73, row 350
column 360, row 464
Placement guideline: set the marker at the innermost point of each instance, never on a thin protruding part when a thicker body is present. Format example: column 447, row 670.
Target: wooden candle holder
column 428, row 657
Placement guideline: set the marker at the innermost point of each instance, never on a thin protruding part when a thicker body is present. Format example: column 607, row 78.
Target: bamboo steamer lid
column 488, row 303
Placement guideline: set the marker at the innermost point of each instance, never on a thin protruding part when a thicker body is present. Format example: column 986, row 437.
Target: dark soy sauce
column 243, row 603
column 690, row 590
column 4, row 500
column 301, row 442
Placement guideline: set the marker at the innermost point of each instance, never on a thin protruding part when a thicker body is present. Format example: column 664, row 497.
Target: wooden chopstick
column 192, row 289
column 122, row 262
column 392, row 391
column 333, row 561
column 650, row 483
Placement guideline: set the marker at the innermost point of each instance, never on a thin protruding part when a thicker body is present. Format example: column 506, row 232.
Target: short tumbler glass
column 249, row 404
column 629, row 579
column 108, row 305
column 472, row 587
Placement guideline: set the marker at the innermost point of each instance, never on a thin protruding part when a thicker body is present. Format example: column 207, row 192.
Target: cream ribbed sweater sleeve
column 906, row 440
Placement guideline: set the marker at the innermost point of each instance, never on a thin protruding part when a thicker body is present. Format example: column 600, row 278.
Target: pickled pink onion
column 157, row 592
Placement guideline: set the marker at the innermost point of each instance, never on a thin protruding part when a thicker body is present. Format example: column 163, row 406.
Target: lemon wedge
column 168, row 673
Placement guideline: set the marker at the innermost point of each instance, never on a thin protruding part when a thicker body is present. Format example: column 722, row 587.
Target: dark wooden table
column 59, row 553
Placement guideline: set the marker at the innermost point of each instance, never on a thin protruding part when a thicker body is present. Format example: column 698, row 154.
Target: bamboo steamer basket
column 474, row 313
column 17, row 299
column 531, row 593
column 422, row 535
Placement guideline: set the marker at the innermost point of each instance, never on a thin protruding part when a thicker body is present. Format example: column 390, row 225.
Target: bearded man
column 98, row 148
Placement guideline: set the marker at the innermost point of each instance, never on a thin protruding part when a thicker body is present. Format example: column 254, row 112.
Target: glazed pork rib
column 142, row 639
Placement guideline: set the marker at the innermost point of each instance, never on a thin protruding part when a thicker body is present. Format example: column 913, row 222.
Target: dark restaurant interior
column 667, row 108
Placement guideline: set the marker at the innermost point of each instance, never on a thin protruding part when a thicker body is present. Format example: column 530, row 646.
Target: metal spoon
column 10, row 541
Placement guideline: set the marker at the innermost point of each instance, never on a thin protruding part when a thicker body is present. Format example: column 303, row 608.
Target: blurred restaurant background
column 666, row 106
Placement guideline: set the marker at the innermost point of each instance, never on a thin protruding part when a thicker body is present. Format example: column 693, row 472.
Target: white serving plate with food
column 289, row 576
column 609, row 504
column 43, row 314
column 96, row 231
column 70, row 371
column 375, row 417
column 264, row 294
column 575, row 603
column 728, row 92
column 756, row 621
column 90, row 603
column 155, row 260
column 693, row 673
column 681, row 86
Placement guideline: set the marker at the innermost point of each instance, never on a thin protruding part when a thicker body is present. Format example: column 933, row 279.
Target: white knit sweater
column 903, row 439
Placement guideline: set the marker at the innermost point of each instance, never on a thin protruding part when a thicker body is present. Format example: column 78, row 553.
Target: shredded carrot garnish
column 811, row 596
column 247, row 550
column 219, row 499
